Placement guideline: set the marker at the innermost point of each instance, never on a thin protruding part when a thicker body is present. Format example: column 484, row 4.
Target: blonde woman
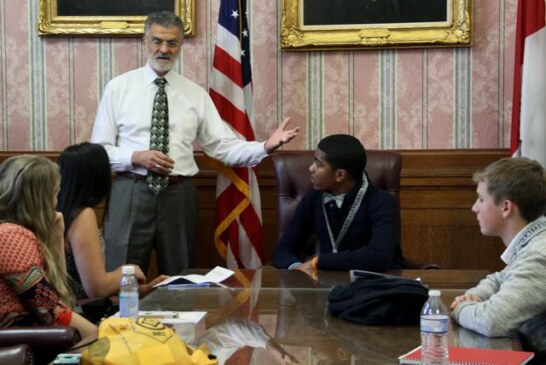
column 33, row 289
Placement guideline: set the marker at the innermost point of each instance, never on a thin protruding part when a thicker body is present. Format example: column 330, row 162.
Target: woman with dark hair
column 85, row 183
column 33, row 288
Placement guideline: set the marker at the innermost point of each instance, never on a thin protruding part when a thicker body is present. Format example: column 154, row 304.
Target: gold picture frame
column 52, row 23
column 455, row 30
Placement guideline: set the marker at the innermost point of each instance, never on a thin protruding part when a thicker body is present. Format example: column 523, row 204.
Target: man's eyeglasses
column 157, row 43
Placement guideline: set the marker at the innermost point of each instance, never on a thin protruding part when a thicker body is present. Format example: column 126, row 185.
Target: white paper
column 216, row 275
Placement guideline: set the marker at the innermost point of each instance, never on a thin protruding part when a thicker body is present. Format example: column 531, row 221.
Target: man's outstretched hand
column 280, row 136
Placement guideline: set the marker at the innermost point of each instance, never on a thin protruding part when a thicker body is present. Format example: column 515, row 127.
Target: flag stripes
column 238, row 235
column 239, row 119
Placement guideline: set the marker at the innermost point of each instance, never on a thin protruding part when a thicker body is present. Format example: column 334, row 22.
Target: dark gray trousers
column 137, row 220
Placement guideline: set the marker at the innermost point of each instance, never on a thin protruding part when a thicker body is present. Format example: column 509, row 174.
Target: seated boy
column 356, row 224
column 511, row 205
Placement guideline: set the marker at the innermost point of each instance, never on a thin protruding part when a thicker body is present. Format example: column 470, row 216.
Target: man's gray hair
column 164, row 18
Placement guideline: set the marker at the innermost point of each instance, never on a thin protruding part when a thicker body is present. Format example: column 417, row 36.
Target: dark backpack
column 379, row 300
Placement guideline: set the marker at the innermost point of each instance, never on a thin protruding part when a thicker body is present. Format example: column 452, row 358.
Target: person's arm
column 59, row 226
column 84, row 243
column 378, row 253
column 289, row 249
column 88, row 331
column 520, row 296
column 21, row 267
column 280, row 136
column 39, row 297
column 146, row 288
column 155, row 161
column 218, row 140
column 105, row 131
column 463, row 298
column 485, row 288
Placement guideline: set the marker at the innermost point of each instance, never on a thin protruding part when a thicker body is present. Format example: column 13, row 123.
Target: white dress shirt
column 124, row 117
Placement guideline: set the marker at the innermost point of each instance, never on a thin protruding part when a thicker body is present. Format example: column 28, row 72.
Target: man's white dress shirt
column 124, row 117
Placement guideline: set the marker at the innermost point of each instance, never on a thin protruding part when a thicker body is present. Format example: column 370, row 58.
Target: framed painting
column 372, row 24
column 108, row 17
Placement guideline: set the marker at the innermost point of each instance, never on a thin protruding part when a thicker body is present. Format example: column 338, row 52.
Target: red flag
column 529, row 100
column 238, row 235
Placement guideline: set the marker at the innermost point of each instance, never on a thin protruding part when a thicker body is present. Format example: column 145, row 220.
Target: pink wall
column 391, row 99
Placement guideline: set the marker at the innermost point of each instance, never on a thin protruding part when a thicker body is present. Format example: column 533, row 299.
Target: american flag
column 238, row 236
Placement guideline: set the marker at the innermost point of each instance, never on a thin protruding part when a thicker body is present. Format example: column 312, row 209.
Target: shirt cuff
column 64, row 318
column 294, row 265
column 263, row 153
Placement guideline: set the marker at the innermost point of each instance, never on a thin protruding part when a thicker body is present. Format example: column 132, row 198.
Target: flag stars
column 243, row 53
column 235, row 14
column 245, row 33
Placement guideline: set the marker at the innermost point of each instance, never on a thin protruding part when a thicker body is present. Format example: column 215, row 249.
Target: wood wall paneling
column 436, row 195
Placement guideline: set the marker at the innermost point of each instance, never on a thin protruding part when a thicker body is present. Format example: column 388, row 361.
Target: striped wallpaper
column 390, row 99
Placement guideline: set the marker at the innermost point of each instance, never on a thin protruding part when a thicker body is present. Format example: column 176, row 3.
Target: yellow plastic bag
column 142, row 341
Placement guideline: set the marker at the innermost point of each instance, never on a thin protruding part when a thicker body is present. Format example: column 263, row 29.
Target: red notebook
column 474, row 356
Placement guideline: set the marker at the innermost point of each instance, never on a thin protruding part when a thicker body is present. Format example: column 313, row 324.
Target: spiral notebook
column 474, row 356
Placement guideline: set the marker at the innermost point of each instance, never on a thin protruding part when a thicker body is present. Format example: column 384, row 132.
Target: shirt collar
column 150, row 75
column 522, row 237
column 328, row 197
column 508, row 254
column 340, row 198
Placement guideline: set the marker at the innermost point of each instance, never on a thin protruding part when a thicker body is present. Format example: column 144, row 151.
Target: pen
column 192, row 285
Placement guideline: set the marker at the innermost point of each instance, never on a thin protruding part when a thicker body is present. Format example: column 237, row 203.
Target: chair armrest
column 16, row 355
column 62, row 337
column 45, row 341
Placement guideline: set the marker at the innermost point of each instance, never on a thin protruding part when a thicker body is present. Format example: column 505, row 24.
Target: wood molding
column 437, row 192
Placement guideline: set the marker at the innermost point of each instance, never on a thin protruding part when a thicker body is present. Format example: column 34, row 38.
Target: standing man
column 511, row 205
column 148, row 120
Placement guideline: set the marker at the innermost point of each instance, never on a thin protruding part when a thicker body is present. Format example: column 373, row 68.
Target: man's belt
column 173, row 179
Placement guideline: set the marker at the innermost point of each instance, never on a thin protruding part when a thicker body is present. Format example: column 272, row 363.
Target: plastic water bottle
column 128, row 293
column 434, row 328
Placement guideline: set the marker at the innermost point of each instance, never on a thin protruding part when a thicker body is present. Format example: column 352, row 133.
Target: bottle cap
column 434, row 293
column 128, row 270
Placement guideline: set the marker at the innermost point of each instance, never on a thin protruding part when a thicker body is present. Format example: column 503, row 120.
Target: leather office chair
column 292, row 177
column 532, row 335
column 17, row 355
column 36, row 344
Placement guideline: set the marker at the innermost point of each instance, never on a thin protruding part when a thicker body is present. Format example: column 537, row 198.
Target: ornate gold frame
column 457, row 31
column 50, row 23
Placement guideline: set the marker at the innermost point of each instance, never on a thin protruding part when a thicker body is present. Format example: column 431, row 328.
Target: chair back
column 292, row 177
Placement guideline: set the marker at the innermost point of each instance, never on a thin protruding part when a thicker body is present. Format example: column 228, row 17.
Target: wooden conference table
column 291, row 307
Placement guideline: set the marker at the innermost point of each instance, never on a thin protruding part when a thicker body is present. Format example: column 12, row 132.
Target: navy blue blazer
column 371, row 243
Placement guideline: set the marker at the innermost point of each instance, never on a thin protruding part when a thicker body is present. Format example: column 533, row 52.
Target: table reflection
column 294, row 321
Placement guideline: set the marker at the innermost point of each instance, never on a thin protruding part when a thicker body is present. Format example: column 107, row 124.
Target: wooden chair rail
column 436, row 195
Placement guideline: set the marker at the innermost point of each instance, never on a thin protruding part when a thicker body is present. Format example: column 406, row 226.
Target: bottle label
column 128, row 305
column 434, row 323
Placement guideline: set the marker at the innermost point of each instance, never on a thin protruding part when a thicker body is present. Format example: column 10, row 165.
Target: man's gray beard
column 157, row 67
